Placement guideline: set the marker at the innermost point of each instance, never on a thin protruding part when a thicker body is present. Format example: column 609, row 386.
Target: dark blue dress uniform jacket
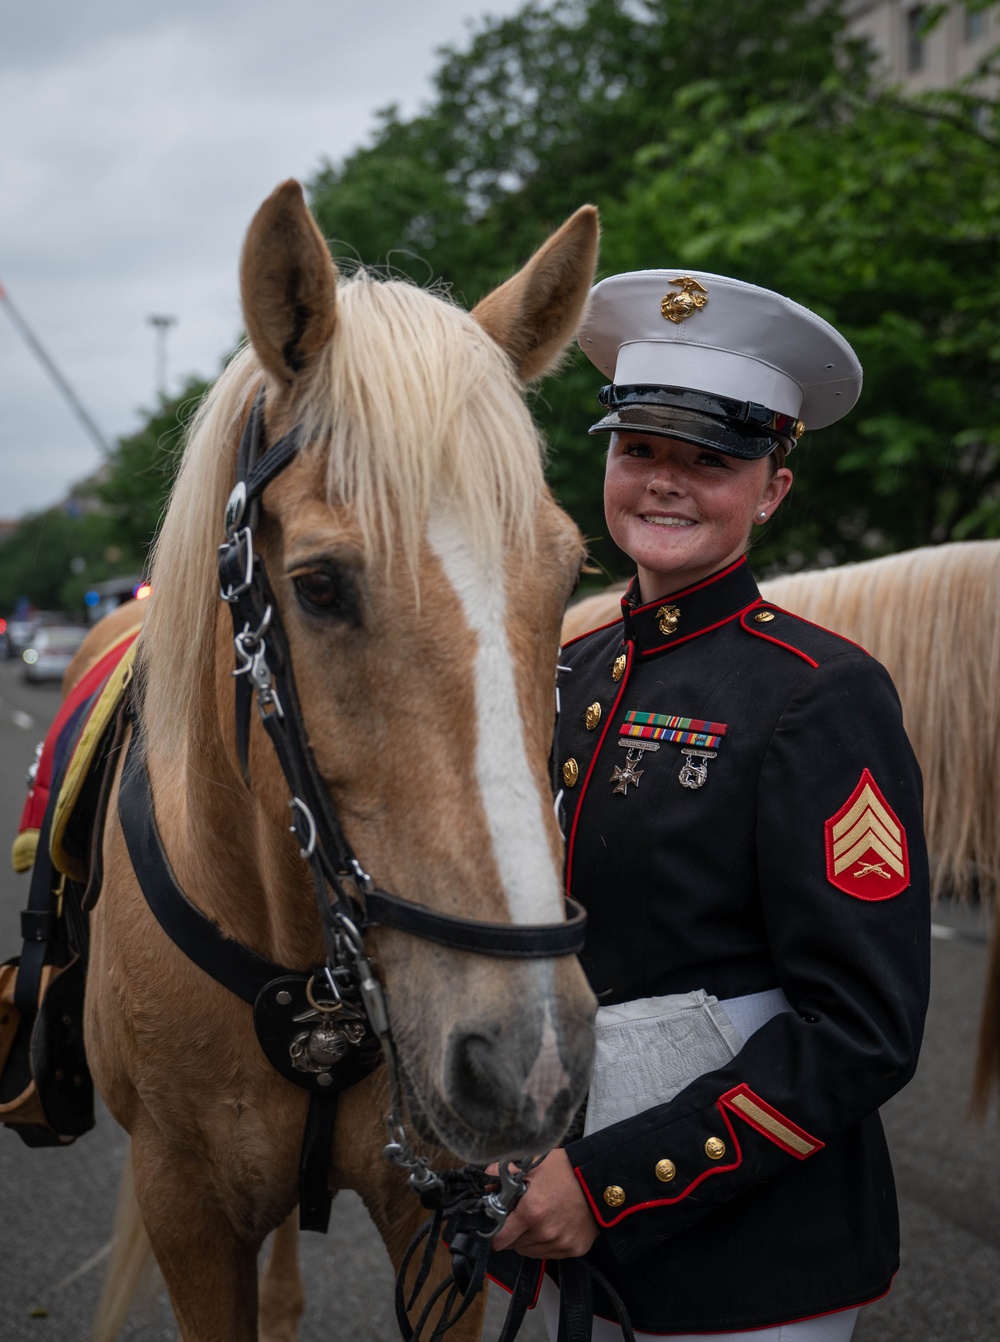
column 799, row 864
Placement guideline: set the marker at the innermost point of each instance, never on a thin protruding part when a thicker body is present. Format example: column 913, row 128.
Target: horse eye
column 318, row 590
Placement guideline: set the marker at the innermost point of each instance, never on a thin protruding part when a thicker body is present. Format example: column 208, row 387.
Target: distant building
column 938, row 60
column 7, row 527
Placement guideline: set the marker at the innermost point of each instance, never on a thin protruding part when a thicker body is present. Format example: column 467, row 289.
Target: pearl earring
column 762, row 516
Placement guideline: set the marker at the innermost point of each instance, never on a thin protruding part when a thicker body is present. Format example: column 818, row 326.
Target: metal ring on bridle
column 297, row 804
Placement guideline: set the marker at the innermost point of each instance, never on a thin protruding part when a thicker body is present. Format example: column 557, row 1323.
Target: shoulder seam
column 587, row 633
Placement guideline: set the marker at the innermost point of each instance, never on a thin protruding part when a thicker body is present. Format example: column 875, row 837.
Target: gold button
column 665, row 1170
column 571, row 772
column 798, row 429
column 668, row 618
column 592, row 716
column 618, row 670
column 614, row 1196
column 764, row 616
column 715, row 1148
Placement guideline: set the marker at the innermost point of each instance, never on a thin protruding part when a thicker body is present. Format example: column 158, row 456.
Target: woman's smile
column 683, row 511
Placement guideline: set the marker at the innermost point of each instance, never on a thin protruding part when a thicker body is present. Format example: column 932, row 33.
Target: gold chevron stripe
column 868, row 824
column 772, row 1125
column 867, row 801
column 869, row 842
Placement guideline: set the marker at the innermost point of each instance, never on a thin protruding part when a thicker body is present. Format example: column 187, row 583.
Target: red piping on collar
column 629, row 654
column 696, row 587
column 736, row 615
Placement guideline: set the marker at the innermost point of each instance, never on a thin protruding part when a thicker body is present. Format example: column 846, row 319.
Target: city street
column 57, row 1205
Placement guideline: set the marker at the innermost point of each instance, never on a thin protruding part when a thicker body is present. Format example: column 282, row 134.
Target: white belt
column 648, row 1050
column 749, row 1013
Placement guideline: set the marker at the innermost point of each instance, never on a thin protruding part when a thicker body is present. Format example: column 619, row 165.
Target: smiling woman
column 744, row 829
column 681, row 510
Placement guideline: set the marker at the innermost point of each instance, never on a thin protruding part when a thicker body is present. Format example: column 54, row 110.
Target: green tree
column 748, row 139
column 886, row 220
column 136, row 482
column 107, row 527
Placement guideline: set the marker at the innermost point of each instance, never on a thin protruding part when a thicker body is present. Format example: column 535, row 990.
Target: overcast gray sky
column 137, row 137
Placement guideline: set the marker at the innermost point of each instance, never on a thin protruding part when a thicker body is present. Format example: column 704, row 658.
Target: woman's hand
column 552, row 1218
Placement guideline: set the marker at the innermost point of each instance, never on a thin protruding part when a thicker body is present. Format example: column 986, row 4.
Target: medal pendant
column 622, row 778
column 695, row 771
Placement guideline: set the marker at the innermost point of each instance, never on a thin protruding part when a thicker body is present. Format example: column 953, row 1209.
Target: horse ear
column 535, row 314
column 288, row 285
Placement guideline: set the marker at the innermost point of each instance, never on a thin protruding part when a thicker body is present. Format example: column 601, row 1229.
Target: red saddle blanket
column 66, row 756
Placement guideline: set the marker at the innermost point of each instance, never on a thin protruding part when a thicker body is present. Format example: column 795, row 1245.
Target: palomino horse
column 930, row 616
column 420, row 569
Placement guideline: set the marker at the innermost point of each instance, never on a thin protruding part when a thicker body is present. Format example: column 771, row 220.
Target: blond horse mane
column 929, row 616
column 413, row 403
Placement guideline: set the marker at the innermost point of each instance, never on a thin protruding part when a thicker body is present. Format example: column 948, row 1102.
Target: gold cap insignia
column 692, row 296
column 614, row 1196
column 592, row 716
column 667, row 619
column 570, row 772
column 618, row 670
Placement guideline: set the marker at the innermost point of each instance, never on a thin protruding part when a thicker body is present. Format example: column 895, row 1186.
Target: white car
column 50, row 652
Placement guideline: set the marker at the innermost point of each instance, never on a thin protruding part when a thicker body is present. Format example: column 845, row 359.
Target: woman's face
column 683, row 512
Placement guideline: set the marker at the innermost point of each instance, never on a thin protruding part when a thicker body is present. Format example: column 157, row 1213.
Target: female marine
column 743, row 826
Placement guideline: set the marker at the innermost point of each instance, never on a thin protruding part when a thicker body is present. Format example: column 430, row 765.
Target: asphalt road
column 56, row 1206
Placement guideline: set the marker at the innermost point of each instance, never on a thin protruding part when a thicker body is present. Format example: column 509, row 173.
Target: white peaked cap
column 730, row 339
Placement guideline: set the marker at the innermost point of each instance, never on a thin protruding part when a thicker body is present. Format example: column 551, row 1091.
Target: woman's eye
column 711, row 459
column 319, row 590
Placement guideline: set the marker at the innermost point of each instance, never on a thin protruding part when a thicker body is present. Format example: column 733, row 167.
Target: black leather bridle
column 344, row 992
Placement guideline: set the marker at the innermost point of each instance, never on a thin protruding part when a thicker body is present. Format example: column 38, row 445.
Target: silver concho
column 322, row 1047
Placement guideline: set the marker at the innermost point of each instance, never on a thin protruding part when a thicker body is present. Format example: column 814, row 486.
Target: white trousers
column 827, row 1328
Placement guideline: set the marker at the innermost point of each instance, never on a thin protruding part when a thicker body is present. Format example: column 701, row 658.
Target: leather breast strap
column 276, row 993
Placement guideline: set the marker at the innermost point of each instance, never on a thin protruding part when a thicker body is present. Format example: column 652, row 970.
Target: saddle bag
column 46, row 1091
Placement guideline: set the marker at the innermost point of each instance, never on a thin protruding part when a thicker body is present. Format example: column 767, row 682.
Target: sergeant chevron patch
column 866, row 853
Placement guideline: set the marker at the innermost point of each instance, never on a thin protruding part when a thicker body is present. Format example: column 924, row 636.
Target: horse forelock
column 412, row 405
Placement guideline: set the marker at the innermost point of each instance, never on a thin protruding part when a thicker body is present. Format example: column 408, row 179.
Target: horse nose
column 508, row 1075
column 484, row 1082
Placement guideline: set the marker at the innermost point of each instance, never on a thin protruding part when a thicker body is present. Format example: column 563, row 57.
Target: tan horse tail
column 131, row 1270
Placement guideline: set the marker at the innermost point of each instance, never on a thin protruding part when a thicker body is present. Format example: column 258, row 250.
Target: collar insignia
column 667, row 619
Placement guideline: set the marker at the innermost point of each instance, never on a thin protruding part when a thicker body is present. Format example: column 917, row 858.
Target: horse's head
column 421, row 569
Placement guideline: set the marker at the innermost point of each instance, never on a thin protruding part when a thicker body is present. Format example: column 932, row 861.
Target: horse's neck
column 232, row 856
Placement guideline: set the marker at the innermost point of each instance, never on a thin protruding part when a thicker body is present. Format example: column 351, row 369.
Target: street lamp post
column 162, row 325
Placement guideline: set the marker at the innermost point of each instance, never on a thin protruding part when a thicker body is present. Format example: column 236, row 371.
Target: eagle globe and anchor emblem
column 691, row 299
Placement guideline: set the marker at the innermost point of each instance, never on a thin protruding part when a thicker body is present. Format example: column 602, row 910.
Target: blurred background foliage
column 751, row 140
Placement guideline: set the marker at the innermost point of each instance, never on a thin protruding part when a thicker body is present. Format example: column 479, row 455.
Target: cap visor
column 689, row 427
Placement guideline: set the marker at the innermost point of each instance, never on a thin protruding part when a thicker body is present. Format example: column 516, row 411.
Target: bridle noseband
column 345, row 991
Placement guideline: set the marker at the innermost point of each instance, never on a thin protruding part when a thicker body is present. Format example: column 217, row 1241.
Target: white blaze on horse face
column 548, row 1076
column 514, row 809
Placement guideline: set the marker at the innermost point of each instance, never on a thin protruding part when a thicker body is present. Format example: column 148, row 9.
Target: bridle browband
column 344, row 993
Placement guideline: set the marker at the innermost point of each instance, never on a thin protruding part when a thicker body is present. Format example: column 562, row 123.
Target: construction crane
column 49, row 364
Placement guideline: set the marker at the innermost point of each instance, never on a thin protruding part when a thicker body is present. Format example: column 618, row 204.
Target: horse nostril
column 480, row 1083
